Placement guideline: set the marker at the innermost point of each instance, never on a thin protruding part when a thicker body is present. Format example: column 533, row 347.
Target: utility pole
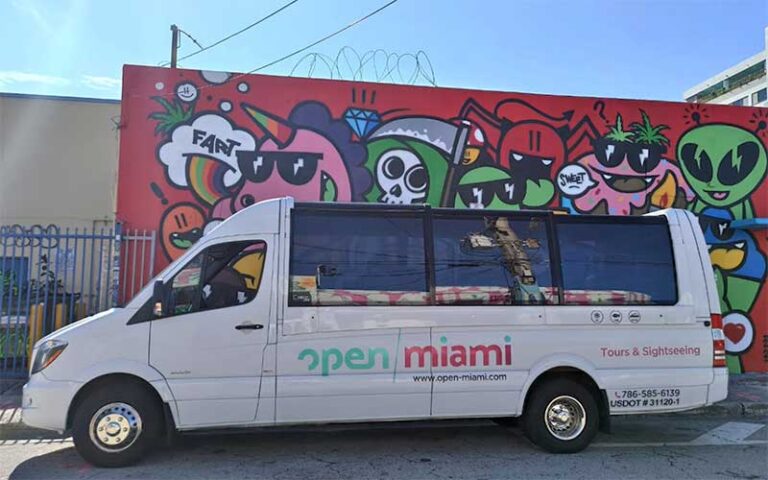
column 174, row 44
column 525, row 289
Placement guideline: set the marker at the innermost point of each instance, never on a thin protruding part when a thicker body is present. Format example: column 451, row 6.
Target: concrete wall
column 58, row 160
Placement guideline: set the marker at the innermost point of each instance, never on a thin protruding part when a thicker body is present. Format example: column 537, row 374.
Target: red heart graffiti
column 734, row 331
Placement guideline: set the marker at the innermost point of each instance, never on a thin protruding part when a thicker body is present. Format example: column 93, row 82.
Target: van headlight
column 47, row 353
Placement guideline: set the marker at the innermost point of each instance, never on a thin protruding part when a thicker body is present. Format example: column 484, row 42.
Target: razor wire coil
column 373, row 66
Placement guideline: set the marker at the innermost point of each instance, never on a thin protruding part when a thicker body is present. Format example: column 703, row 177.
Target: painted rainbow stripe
column 206, row 177
column 280, row 131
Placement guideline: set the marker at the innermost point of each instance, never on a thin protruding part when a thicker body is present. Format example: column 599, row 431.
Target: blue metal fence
column 50, row 277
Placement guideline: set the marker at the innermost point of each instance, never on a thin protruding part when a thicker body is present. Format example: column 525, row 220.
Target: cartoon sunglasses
column 477, row 194
column 642, row 158
column 296, row 168
column 720, row 228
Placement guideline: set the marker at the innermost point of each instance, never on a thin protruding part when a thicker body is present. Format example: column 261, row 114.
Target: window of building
column 616, row 263
column 223, row 275
column 351, row 258
column 491, row 260
column 759, row 96
column 733, row 82
column 742, row 102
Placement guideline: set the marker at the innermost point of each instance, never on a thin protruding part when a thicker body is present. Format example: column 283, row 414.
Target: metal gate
column 51, row 277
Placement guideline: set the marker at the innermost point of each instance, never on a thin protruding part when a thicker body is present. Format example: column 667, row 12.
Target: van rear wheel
column 115, row 424
column 561, row 416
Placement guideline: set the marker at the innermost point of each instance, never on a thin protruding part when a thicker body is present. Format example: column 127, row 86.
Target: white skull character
column 401, row 177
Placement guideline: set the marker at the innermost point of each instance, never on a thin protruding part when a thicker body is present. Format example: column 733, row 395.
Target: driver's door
column 209, row 344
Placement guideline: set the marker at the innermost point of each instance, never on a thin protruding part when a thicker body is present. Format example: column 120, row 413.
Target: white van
column 317, row 313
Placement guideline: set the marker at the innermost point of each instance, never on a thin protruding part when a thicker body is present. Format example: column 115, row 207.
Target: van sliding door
column 364, row 274
column 493, row 279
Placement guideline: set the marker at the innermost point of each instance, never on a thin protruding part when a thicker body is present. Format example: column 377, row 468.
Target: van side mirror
column 160, row 299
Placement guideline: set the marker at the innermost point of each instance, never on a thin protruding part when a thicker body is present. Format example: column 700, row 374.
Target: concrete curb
column 732, row 409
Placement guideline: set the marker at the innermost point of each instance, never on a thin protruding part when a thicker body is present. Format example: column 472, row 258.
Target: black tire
column 140, row 402
column 557, row 393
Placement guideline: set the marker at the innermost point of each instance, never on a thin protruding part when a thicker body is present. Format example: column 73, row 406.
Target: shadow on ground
column 398, row 451
column 472, row 449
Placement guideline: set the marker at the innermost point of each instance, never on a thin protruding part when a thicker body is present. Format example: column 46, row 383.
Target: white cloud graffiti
column 209, row 135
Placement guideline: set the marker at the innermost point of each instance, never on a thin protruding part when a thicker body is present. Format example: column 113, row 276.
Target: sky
column 620, row 48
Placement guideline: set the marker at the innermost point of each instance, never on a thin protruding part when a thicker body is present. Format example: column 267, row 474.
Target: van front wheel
column 115, row 424
column 561, row 416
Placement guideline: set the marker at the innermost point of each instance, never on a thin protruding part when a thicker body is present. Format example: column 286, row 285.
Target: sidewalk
column 10, row 402
column 747, row 397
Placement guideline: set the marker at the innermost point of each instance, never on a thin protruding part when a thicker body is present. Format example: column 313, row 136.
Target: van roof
column 381, row 208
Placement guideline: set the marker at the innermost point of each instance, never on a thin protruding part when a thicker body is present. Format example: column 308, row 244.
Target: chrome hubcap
column 115, row 427
column 565, row 417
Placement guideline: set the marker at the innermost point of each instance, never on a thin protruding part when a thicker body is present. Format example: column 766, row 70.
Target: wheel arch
column 575, row 368
column 162, row 394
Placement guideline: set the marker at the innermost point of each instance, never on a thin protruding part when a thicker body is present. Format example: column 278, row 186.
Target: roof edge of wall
column 30, row 96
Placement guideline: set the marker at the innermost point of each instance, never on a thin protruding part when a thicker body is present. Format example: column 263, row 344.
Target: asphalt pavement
column 729, row 441
column 657, row 447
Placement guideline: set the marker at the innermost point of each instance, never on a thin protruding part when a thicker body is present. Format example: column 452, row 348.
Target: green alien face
column 723, row 164
column 488, row 187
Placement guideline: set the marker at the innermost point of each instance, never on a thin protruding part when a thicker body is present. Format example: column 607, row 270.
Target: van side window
column 185, row 287
column 351, row 258
column 617, row 264
column 492, row 260
column 223, row 275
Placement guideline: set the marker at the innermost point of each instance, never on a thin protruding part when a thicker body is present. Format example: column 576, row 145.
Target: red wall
column 197, row 146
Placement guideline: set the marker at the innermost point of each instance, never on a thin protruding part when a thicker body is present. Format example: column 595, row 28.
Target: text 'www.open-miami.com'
column 467, row 377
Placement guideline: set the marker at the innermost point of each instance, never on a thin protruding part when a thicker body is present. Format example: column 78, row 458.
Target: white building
column 58, row 160
column 744, row 84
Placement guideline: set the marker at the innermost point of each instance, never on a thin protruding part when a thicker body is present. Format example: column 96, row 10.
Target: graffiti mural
column 630, row 172
column 197, row 147
column 724, row 165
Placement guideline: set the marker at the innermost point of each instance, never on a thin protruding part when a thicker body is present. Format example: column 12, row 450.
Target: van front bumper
column 45, row 403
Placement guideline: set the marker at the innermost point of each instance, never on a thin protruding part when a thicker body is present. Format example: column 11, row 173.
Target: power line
column 296, row 52
column 193, row 40
column 343, row 29
column 228, row 37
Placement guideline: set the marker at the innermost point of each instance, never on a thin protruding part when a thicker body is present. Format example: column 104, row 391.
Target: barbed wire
column 372, row 66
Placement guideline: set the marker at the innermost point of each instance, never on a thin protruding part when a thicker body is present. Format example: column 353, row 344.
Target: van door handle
column 249, row 326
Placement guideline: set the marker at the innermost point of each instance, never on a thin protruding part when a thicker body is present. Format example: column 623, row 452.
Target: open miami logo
column 443, row 355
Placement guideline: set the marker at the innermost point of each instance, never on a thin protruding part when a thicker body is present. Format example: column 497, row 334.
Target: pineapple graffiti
column 629, row 172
